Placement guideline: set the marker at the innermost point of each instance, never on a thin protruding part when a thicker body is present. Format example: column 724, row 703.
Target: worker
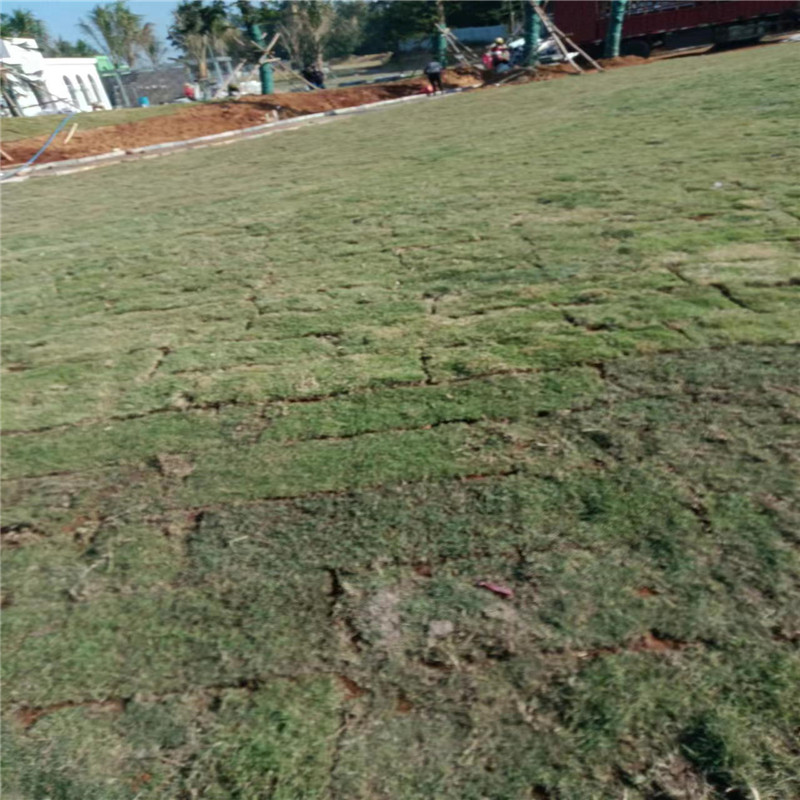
column 500, row 54
column 314, row 75
column 434, row 71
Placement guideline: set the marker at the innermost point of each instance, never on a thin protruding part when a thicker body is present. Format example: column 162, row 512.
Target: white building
column 51, row 85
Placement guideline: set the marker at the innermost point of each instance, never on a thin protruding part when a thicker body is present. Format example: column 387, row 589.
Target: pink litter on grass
column 503, row 591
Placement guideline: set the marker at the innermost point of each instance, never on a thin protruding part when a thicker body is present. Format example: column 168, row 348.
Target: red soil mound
column 205, row 119
column 621, row 61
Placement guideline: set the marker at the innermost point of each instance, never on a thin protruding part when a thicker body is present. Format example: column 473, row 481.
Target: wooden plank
column 579, row 49
column 553, row 35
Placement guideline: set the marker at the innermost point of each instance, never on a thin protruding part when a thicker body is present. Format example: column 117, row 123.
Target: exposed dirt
column 650, row 642
column 205, row 119
column 28, row 716
column 19, row 535
column 351, row 689
column 622, row 61
column 550, row 71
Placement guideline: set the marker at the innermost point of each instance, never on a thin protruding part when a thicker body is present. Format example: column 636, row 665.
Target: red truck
column 674, row 24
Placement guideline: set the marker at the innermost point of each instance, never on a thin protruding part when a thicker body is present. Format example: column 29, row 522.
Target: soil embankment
column 205, row 119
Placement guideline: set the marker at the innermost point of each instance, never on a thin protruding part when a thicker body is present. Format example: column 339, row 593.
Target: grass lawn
column 273, row 410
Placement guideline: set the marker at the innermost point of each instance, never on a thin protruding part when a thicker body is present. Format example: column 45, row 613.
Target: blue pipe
column 43, row 147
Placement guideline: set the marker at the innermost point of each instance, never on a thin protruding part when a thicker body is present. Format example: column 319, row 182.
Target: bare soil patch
column 205, row 119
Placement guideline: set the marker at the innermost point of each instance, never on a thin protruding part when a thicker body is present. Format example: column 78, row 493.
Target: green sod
column 273, row 410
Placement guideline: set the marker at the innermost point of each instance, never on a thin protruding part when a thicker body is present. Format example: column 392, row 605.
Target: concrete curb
column 87, row 162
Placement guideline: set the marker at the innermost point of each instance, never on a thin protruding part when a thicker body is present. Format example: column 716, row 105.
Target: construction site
column 385, row 442
column 185, row 123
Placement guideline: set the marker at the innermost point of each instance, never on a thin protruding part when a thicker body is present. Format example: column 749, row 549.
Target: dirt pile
column 549, row 72
column 621, row 61
column 204, row 119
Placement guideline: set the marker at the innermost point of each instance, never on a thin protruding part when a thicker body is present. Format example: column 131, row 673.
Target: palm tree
column 202, row 31
column 152, row 47
column 220, row 32
column 187, row 33
column 120, row 34
column 20, row 24
column 306, row 27
column 12, row 80
column 80, row 49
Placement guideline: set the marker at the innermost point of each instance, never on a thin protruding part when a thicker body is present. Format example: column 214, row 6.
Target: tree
column 187, row 34
column 155, row 50
column 348, row 30
column 392, row 22
column 388, row 23
column 64, row 49
column 202, row 31
column 310, row 29
column 13, row 81
column 20, row 24
column 118, row 32
column 306, row 28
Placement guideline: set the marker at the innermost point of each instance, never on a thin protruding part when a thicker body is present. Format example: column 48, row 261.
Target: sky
column 61, row 16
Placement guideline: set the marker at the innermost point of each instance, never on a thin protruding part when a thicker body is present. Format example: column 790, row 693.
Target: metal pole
column 614, row 32
column 264, row 69
column 556, row 35
column 267, row 82
column 531, row 30
column 440, row 45
column 254, row 32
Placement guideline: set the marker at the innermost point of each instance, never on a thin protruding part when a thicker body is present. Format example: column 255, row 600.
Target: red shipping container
column 585, row 21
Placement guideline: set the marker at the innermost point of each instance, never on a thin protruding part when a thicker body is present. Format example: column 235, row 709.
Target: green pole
column 267, row 83
column 532, row 28
column 254, row 32
column 264, row 70
column 440, row 46
column 614, row 32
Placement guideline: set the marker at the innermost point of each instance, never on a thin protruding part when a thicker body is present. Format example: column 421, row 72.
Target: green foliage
column 119, row 33
column 388, row 23
column 23, row 24
column 200, row 30
column 79, row 49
